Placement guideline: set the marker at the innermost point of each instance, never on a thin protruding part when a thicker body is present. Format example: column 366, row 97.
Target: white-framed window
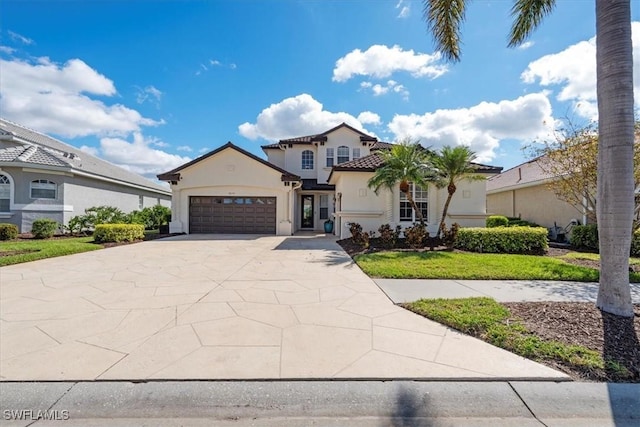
column 356, row 153
column 5, row 193
column 140, row 202
column 329, row 157
column 307, row 159
column 43, row 189
column 421, row 197
column 343, row 154
column 324, row 206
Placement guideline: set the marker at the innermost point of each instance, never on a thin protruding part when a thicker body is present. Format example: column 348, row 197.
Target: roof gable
column 309, row 139
column 174, row 174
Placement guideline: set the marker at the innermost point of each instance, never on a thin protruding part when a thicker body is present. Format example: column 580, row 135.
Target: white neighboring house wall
column 230, row 173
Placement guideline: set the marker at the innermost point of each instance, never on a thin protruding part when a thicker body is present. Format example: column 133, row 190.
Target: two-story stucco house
column 304, row 182
column 42, row 177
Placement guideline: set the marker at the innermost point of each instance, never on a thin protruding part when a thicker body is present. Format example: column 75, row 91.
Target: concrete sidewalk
column 326, row 403
column 408, row 290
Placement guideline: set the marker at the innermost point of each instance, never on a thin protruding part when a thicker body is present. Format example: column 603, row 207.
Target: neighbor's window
column 356, row 153
column 5, row 193
column 43, row 189
column 324, row 206
column 140, row 202
column 329, row 157
column 420, row 196
column 343, row 154
column 307, row 159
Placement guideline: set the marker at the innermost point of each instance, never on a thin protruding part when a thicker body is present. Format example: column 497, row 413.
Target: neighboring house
column 41, row 177
column 523, row 192
column 305, row 182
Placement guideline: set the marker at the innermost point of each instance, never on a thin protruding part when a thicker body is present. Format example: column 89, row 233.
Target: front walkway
column 225, row 307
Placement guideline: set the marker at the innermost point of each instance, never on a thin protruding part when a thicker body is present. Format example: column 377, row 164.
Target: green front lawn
column 18, row 251
column 473, row 266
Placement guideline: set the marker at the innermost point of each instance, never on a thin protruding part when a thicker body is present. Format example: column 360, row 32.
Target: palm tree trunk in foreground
column 415, row 207
column 615, row 153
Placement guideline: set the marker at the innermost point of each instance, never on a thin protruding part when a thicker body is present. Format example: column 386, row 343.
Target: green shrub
column 635, row 244
column 511, row 240
column 44, row 228
column 416, row 236
column 497, row 221
column 8, row 231
column 151, row 217
column 108, row 233
column 585, row 237
column 448, row 236
column 388, row 235
column 517, row 222
column 105, row 215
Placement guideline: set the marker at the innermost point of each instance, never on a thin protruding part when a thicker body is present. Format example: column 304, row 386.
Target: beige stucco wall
column 230, row 173
column 536, row 204
column 360, row 204
column 290, row 159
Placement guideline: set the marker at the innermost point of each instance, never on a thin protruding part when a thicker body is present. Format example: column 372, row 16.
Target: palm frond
column 527, row 16
column 444, row 18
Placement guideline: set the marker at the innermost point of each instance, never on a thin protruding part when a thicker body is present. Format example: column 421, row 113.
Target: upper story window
column 356, row 153
column 343, row 154
column 307, row 159
column 329, row 157
column 420, row 196
column 43, row 189
column 5, row 193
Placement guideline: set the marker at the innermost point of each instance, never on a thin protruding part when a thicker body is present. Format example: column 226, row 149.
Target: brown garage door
column 232, row 215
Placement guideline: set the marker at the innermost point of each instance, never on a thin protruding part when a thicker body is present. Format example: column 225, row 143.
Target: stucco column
column 175, row 226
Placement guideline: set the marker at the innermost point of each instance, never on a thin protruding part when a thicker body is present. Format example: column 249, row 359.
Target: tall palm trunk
column 451, row 189
column 615, row 153
column 414, row 206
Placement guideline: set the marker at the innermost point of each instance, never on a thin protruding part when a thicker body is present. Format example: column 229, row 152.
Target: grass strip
column 474, row 266
column 19, row 251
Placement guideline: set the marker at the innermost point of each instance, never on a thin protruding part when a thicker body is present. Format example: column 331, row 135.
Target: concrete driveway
column 225, row 307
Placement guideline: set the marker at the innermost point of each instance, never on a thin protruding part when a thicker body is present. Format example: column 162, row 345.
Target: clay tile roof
column 308, row 139
column 366, row 163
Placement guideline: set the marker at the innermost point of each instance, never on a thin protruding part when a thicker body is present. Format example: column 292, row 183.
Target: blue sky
column 151, row 84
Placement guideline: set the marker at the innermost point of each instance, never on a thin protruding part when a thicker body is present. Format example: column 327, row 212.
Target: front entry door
column 307, row 211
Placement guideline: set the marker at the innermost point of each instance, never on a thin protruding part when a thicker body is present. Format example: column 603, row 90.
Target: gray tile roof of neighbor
column 40, row 149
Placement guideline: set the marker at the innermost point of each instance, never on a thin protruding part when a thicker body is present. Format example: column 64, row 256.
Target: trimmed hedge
column 635, row 244
column 8, row 231
column 114, row 233
column 497, row 221
column 509, row 240
column 44, row 228
column 585, row 237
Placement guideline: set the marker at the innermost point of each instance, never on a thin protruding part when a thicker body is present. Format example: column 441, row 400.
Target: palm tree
column 451, row 166
column 406, row 162
column 615, row 115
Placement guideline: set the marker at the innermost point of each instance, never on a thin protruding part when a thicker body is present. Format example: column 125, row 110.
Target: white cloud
column 149, row 93
column 480, row 127
column 526, row 45
column 380, row 61
column 573, row 71
column 54, row 98
column 367, row 117
column 185, row 148
column 6, row 49
column 296, row 116
column 203, row 150
column 90, row 150
column 138, row 155
column 20, row 38
column 405, row 10
column 391, row 86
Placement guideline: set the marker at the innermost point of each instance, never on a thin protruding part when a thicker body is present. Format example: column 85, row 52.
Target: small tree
column 451, row 165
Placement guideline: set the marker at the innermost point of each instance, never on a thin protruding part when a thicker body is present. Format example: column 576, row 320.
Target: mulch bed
column 617, row 338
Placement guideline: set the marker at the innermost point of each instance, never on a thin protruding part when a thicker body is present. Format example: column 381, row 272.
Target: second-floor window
column 329, row 157
column 307, row 159
column 343, row 154
column 356, row 153
column 43, row 189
